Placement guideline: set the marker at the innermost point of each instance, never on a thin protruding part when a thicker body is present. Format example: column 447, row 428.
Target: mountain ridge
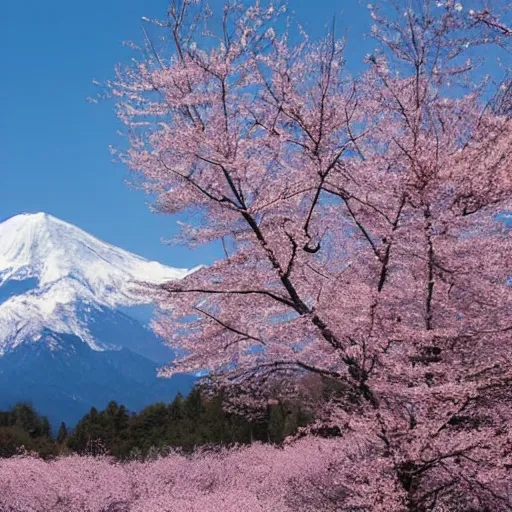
column 62, row 377
column 67, row 339
column 66, row 266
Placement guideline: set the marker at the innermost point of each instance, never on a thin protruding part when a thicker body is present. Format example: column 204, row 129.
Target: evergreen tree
column 45, row 428
column 276, row 423
column 176, row 408
column 193, row 406
column 185, row 423
column 62, row 434
column 24, row 417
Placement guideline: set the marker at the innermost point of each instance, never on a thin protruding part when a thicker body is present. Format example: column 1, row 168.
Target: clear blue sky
column 54, row 144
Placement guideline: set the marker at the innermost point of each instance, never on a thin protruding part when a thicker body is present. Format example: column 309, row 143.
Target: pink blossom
column 363, row 240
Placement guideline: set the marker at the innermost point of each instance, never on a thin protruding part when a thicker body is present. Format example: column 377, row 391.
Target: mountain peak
column 42, row 246
column 30, row 216
column 67, row 267
column 29, row 219
column 34, row 216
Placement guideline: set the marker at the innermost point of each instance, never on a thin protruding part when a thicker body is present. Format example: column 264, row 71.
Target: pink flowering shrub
column 259, row 478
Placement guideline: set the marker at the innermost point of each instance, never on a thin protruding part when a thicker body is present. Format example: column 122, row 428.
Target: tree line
column 183, row 424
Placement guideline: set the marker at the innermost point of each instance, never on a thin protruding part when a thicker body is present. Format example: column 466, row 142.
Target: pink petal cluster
column 260, row 478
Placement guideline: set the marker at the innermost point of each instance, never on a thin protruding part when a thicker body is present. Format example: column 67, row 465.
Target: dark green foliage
column 276, row 424
column 62, row 434
column 185, row 423
column 22, row 426
column 11, row 438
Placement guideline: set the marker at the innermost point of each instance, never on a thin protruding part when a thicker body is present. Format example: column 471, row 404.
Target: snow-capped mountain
column 54, row 275
column 69, row 335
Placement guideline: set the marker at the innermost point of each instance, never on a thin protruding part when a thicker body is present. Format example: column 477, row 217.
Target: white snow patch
column 72, row 267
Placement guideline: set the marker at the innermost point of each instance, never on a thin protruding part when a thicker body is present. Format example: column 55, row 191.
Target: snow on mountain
column 51, row 271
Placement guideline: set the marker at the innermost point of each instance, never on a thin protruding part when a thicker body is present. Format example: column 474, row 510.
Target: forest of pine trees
column 184, row 424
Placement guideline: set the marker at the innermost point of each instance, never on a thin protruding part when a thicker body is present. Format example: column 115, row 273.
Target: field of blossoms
column 259, row 478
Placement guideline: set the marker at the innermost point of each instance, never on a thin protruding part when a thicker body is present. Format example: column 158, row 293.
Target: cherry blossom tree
column 361, row 222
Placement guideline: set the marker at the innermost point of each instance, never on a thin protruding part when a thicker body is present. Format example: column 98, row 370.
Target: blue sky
column 54, row 144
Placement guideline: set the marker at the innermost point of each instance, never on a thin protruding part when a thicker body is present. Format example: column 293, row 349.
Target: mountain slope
column 70, row 331
column 50, row 271
column 63, row 378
